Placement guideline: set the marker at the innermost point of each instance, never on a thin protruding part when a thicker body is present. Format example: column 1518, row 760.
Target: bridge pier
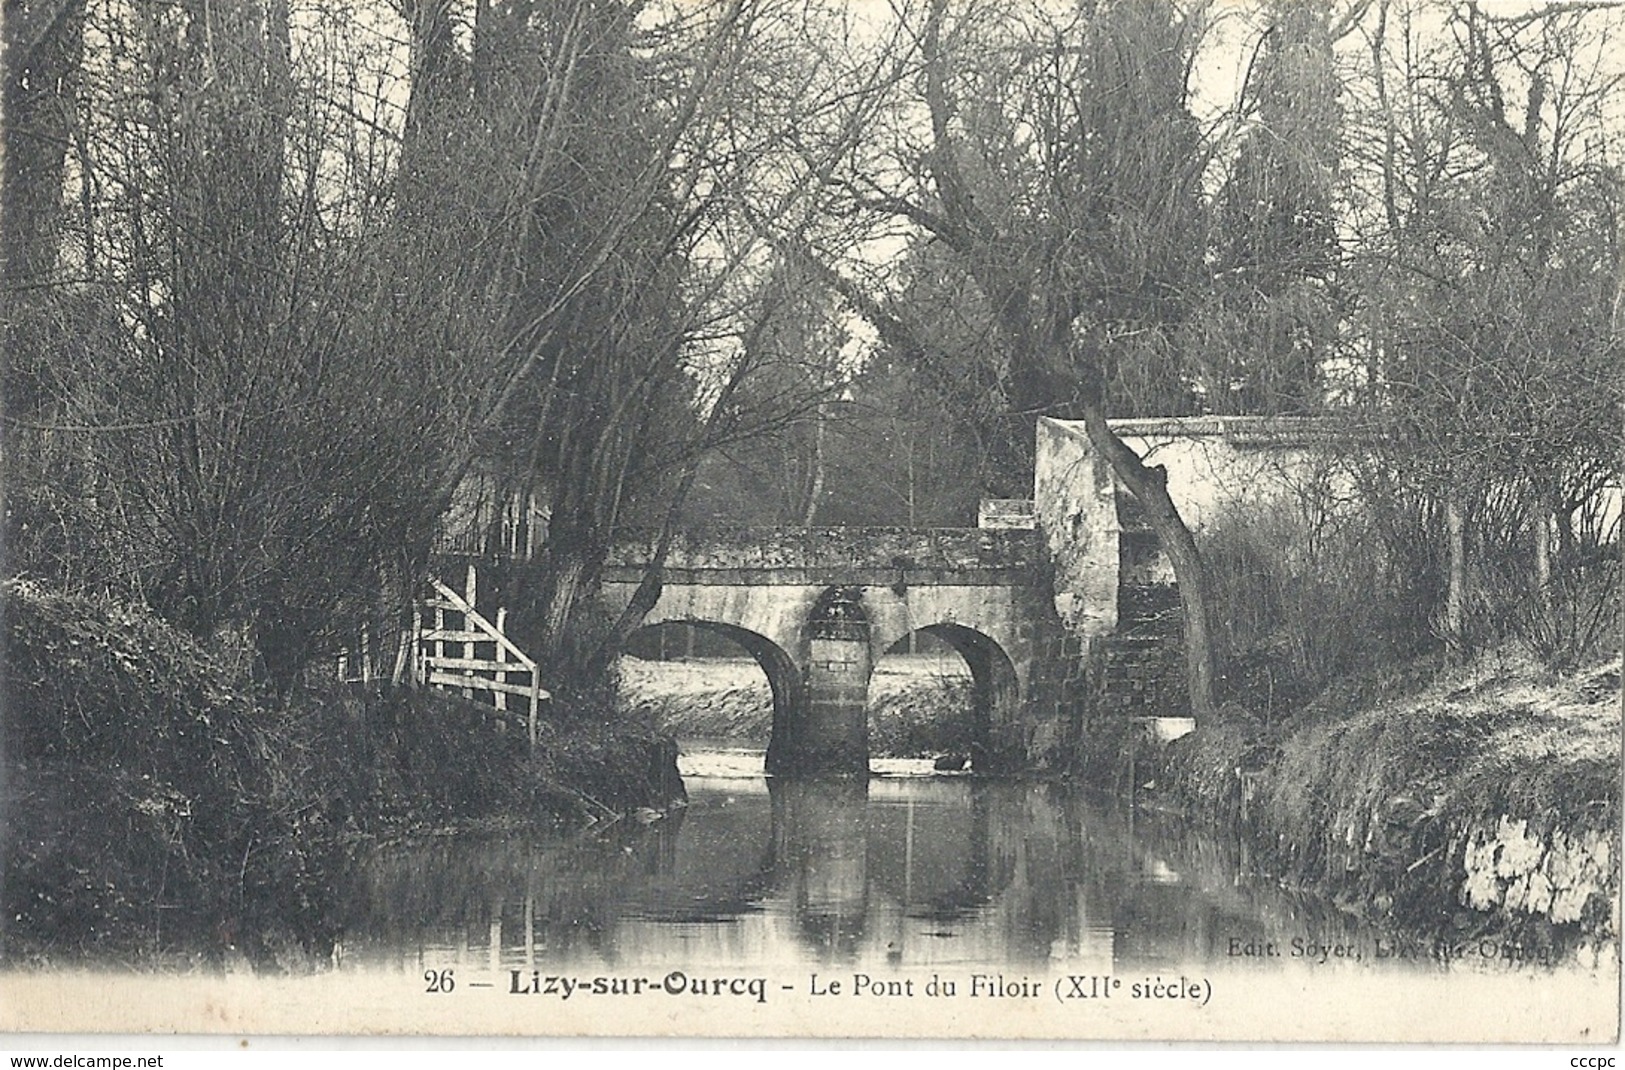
column 832, row 734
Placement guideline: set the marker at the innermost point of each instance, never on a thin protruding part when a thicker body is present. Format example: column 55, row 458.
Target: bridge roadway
column 816, row 607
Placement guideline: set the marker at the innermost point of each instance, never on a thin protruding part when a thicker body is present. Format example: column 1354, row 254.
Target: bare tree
column 1053, row 156
column 249, row 460
column 576, row 190
column 1278, row 297
column 1490, row 265
column 328, row 268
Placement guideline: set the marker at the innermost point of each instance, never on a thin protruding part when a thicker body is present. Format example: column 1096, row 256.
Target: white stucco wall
column 1217, row 463
column 1214, row 465
column 1074, row 499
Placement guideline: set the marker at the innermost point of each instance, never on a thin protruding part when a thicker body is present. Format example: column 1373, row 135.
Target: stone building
column 1114, row 588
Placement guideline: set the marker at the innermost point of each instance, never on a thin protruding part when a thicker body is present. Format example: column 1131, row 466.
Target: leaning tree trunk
column 1032, row 388
column 1149, row 484
column 649, row 588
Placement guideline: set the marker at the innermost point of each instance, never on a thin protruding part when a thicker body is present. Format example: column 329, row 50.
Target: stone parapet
column 881, row 553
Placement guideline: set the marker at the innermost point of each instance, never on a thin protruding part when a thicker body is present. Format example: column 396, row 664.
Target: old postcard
column 813, row 518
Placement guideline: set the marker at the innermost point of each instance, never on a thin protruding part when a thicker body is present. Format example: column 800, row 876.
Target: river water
column 898, row 872
column 902, row 905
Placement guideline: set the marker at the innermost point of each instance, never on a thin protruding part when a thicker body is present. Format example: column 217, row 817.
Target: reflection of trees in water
column 1042, row 873
column 1129, row 888
column 1011, row 873
column 720, row 865
column 474, row 892
column 1166, row 911
column 931, row 858
column 1218, row 897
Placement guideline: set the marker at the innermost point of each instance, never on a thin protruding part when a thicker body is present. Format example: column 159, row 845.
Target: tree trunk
column 566, row 574
column 43, row 47
column 1149, row 484
column 1455, row 600
column 809, row 511
column 653, row 582
column 1543, row 550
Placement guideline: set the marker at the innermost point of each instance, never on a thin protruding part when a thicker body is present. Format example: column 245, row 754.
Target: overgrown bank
column 152, row 802
column 1483, row 801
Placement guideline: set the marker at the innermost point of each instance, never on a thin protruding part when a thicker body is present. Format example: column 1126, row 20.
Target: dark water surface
column 901, row 872
column 907, row 906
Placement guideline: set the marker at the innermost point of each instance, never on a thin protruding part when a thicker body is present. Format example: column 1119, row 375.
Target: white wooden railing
column 454, row 622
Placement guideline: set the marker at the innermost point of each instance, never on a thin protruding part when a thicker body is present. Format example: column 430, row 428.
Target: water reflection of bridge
column 851, row 872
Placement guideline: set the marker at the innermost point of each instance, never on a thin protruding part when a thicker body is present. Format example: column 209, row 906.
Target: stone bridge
column 1068, row 618
column 817, row 607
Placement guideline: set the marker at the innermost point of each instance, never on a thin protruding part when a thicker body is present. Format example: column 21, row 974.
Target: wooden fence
column 459, row 649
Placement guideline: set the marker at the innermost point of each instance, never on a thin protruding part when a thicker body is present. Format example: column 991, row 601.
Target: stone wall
column 856, row 555
column 1114, row 587
column 1075, row 500
column 1091, row 524
column 1512, row 867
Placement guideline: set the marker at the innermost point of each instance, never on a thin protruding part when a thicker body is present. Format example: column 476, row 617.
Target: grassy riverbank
column 1458, row 802
column 150, row 794
column 919, row 704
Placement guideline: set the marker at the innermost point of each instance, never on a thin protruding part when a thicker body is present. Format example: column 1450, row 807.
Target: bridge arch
column 782, row 672
column 995, row 686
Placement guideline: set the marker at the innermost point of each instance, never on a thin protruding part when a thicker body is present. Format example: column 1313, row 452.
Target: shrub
column 154, row 805
column 142, row 794
column 1572, row 619
column 1298, row 603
